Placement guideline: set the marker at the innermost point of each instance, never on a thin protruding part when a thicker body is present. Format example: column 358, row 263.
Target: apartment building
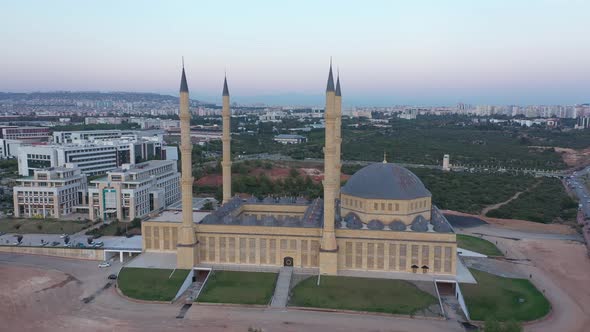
column 134, row 191
column 52, row 192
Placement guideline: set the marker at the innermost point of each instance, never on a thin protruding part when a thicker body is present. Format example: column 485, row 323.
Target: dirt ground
column 560, row 269
column 37, row 297
column 575, row 158
column 519, row 225
column 31, row 294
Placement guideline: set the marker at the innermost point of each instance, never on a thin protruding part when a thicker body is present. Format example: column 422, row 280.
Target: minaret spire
column 187, row 243
column 183, row 84
column 330, row 85
column 226, row 140
column 338, row 92
column 328, row 245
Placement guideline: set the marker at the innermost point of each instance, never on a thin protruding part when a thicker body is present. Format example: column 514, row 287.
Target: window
column 382, row 206
column 376, row 206
column 389, row 206
column 370, row 256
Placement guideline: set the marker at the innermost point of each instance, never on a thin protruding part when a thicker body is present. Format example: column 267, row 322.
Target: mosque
column 382, row 220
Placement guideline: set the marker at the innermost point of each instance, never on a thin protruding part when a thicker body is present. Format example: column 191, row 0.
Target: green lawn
column 151, row 284
column 42, row 226
column 479, row 245
column 377, row 295
column 239, row 287
column 503, row 299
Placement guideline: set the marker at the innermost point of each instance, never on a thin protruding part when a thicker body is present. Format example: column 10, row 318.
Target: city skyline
column 531, row 52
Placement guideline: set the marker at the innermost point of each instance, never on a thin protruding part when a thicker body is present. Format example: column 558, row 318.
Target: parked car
column 97, row 245
column 113, row 277
column 54, row 243
column 104, row 264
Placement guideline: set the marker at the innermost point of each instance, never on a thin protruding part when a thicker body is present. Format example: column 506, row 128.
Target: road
column 576, row 183
column 45, row 293
column 110, row 242
column 556, row 264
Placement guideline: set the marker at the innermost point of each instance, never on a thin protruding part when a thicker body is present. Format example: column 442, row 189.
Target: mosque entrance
column 288, row 261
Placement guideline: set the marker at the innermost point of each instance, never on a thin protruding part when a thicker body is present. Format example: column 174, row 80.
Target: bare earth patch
column 34, row 295
column 565, row 269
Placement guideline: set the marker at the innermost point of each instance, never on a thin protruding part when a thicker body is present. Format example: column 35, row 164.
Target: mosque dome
column 385, row 181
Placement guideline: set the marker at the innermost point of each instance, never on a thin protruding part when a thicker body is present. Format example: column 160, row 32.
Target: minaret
column 329, row 247
column 186, row 248
column 338, row 136
column 226, row 138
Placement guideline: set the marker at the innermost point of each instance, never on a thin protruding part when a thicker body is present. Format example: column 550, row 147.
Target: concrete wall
column 88, row 254
column 462, row 303
column 185, row 285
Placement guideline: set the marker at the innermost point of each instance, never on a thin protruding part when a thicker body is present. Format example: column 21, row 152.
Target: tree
column 89, row 240
column 67, row 239
column 39, row 227
column 136, row 223
column 19, row 239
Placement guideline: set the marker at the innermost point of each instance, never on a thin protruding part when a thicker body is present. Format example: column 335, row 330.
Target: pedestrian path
column 281, row 295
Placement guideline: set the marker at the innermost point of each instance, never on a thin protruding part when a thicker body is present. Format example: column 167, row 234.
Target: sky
column 390, row 52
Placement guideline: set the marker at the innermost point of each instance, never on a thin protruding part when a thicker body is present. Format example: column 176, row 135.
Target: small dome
column 442, row 227
column 229, row 220
column 269, row 221
column 397, row 225
column 353, row 221
column 375, row 225
column 291, row 222
column 385, row 181
column 285, row 200
column 249, row 221
column 252, row 200
column 420, row 224
column 301, row 200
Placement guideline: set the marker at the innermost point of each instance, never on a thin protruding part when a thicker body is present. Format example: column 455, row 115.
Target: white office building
column 134, row 191
column 50, row 193
column 92, row 158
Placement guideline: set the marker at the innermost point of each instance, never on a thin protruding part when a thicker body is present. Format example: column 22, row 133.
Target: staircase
column 281, row 295
column 453, row 310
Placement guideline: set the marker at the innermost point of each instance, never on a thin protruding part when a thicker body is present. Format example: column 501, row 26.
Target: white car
column 63, row 236
column 104, row 264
